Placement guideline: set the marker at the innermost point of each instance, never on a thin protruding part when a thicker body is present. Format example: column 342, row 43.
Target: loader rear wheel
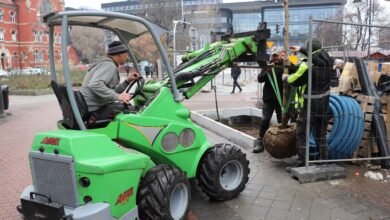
column 164, row 193
column 223, row 172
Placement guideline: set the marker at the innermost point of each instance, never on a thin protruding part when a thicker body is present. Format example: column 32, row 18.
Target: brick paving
column 270, row 194
column 29, row 116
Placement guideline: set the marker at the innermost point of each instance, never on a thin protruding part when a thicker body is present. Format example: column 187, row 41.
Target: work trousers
column 235, row 83
column 109, row 111
column 268, row 109
column 318, row 125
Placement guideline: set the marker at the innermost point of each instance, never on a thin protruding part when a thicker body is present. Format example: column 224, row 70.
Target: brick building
column 23, row 37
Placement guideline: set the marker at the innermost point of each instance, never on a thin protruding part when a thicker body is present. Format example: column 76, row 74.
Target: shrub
column 36, row 82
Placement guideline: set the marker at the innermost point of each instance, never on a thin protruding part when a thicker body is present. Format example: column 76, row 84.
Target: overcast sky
column 95, row 4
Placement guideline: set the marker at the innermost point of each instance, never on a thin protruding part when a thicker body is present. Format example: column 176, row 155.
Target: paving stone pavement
column 270, row 193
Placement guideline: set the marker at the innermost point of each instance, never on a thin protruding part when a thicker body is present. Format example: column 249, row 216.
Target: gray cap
column 116, row 47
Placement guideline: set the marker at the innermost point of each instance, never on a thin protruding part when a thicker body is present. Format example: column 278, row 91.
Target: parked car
column 28, row 71
column 33, row 71
column 3, row 73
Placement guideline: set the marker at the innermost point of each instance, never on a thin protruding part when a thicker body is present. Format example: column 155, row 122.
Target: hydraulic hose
column 347, row 130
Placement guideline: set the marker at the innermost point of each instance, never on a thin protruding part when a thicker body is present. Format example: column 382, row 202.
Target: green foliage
column 42, row 81
column 29, row 82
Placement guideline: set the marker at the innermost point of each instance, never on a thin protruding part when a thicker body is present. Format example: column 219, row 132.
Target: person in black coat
column 322, row 65
column 270, row 101
column 235, row 72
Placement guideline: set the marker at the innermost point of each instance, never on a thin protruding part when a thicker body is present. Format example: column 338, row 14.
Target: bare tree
column 88, row 42
column 329, row 33
column 204, row 18
column 357, row 36
column 384, row 38
column 163, row 13
column 145, row 48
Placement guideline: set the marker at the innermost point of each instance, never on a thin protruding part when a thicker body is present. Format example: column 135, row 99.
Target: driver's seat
column 69, row 120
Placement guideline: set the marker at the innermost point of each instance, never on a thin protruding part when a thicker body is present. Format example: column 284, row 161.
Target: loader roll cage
column 125, row 26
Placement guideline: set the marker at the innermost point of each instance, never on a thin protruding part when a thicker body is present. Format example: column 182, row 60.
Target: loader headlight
column 169, row 142
column 187, row 137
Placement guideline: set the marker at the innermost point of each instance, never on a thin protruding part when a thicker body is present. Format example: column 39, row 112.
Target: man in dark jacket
column 147, row 71
column 270, row 101
column 321, row 75
column 235, row 72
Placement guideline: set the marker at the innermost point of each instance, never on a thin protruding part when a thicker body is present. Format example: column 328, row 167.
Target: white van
column 33, row 71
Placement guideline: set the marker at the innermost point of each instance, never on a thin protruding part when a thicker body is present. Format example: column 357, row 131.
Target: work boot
column 258, row 147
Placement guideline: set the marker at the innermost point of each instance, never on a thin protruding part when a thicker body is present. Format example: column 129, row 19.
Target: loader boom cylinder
column 206, row 63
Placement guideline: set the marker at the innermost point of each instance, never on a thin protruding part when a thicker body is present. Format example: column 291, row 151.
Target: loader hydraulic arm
column 201, row 66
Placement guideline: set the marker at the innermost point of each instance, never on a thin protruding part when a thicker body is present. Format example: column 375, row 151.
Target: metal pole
column 53, row 73
column 182, row 10
column 309, row 83
column 285, row 71
column 369, row 28
column 174, row 43
column 2, row 115
column 175, row 22
column 67, row 74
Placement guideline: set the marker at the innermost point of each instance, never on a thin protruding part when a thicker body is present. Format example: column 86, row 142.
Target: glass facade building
column 245, row 16
column 299, row 21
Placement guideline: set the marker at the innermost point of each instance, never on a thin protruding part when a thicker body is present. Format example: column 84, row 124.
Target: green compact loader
column 144, row 162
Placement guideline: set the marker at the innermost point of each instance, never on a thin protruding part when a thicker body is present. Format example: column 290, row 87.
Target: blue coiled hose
column 347, row 131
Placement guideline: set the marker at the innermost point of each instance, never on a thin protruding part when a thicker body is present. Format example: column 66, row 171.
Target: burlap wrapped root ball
column 280, row 142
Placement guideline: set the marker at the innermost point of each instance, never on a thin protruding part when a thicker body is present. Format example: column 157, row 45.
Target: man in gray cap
column 101, row 88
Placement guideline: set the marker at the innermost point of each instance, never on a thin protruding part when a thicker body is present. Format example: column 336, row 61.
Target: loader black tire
column 223, row 172
column 164, row 193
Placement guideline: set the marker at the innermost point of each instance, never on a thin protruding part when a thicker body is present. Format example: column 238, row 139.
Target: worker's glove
column 284, row 77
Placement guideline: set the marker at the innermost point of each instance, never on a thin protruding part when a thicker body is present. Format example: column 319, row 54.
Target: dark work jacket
column 268, row 91
column 235, row 71
column 321, row 73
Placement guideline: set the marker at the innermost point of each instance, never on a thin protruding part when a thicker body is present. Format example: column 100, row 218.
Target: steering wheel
column 140, row 85
column 137, row 92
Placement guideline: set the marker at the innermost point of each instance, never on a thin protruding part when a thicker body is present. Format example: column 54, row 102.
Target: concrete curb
column 206, row 119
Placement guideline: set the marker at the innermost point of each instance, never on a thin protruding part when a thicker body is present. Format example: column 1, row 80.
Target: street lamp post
column 369, row 28
column 175, row 22
column 182, row 10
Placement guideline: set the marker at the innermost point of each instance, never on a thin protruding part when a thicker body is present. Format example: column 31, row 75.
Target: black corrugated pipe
column 378, row 122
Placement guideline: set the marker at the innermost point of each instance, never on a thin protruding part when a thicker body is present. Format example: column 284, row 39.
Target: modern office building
column 245, row 16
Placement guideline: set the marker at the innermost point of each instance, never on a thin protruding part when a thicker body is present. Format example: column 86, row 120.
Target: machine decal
column 123, row 198
column 150, row 133
column 51, row 141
